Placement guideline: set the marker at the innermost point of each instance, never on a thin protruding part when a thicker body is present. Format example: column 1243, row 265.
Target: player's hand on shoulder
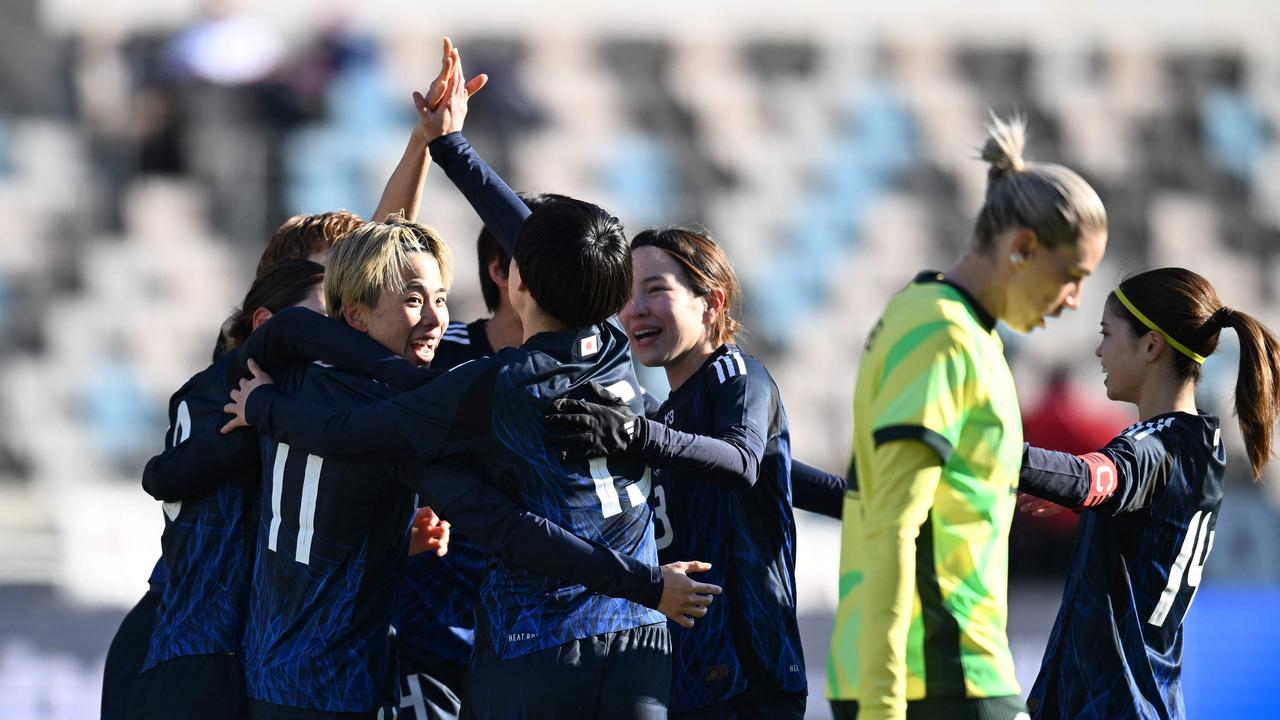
column 597, row 425
column 429, row 533
column 683, row 598
column 240, row 397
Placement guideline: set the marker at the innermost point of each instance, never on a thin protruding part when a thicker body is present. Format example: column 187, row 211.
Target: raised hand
column 240, row 397
column 683, row 598
column 447, row 114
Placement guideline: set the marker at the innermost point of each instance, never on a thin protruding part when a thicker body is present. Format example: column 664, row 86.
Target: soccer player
column 208, row 483
column 434, row 614
column 920, row 628
column 570, row 272
column 720, row 447
column 1149, row 499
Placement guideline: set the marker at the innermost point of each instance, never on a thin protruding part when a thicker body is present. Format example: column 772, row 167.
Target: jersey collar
column 980, row 313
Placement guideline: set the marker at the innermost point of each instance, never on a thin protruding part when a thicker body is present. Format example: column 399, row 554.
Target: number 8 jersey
column 1150, row 501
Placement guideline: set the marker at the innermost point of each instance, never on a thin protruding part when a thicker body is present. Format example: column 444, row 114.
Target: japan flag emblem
column 589, row 346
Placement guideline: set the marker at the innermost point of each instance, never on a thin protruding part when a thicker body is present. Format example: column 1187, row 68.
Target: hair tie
column 1221, row 317
column 1147, row 321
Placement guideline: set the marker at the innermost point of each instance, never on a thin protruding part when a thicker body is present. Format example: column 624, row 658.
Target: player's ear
column 1022, row 245
column 260, row 316
column 715, row 305
column 356, row 316
column 498, row 272
column 1152, row 346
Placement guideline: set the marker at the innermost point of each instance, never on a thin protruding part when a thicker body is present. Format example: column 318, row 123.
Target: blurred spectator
column 225, row 47
column 1068, row 419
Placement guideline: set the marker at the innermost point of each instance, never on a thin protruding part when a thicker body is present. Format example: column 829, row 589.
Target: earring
column 1016, row 259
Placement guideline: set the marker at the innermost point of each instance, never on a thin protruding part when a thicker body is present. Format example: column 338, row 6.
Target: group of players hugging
column 372, row 512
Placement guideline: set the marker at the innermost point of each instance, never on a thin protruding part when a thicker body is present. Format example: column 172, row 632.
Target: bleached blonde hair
column 374, row 257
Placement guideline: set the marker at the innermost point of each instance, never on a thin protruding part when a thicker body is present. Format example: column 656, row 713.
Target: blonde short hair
column 373, row 258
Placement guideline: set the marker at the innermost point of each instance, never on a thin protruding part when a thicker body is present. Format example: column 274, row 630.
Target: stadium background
column 148, row 147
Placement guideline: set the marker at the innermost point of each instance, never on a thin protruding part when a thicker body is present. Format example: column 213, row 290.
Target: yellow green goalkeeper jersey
column 933, row 371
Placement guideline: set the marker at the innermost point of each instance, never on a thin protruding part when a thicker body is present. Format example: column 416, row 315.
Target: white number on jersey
column 1195, row 550
column 663, row 534
column 181, row 431
column 307, row 509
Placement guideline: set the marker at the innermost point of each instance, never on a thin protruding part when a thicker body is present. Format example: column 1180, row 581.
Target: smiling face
column 1124, row 356
column 1050, row 280
column 410, row 322
column 669, row 326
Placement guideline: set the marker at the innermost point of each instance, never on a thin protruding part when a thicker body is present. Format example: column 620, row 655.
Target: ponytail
column 1184, row 307
column 1257, row 384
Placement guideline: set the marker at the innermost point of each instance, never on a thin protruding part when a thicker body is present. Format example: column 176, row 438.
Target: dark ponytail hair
column 706, row 266
column 277, row 287
column 1184, row 305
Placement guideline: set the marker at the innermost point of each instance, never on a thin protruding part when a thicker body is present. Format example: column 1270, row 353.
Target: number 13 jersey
column 747, row 535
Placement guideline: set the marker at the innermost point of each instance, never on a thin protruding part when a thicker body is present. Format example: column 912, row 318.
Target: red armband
column 1103, row 479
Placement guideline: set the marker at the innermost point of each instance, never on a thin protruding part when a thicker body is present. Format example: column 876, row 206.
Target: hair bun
column 1005, row 143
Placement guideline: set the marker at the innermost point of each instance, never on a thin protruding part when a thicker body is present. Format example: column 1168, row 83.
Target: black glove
column 601, row 424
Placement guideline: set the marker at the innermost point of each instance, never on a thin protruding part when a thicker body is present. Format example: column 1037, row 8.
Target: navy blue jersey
column 1150, row 501
column 331, row 544
column 435, row 605
column 156, row 580
column 747, row 532
column 205, row 548
column 492, row 409
column 462, row 342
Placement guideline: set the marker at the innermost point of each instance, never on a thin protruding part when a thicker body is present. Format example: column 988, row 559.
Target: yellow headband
column 1147, row 321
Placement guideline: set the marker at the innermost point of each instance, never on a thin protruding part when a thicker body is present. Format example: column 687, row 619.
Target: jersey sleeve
column 501, row 210
column 895, row 507
column 921, row 394
column 301, row 335
column 817, row 491
column 200, row 463
column 730, row 456
column 454, row 490
column 448, row 415
column 1126, row 475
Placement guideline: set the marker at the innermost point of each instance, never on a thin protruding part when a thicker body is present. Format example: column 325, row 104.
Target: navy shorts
column 199, row 687
column 624, row 674
column 430, row 687
column 126, row 655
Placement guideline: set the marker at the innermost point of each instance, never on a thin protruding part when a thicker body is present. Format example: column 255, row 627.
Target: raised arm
column 519, row 537
column 498, row 207
column 200, row 463
column 300, row 335
column 403, row 193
